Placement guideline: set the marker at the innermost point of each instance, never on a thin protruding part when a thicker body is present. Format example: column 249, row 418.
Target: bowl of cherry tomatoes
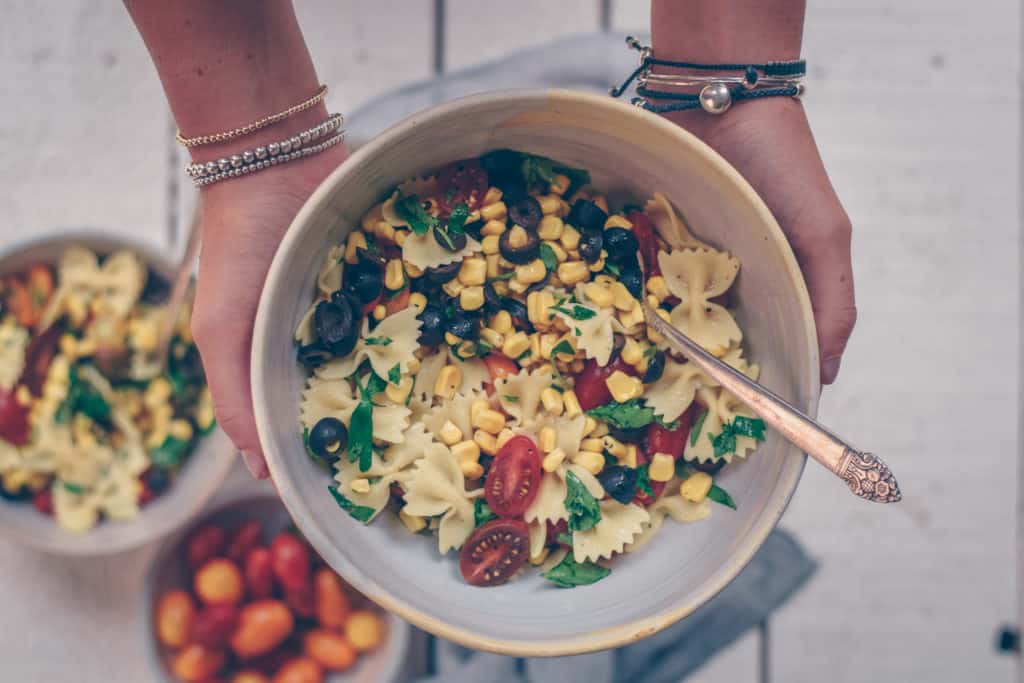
column 242, row 598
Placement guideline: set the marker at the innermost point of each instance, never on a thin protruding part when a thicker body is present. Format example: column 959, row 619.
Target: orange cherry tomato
column 248, row 676
column 300, row 670
column 219, row 582
column 500, row 365
column 174, row 614
column 329, row 649
column 332, row 604
column 262, row 626
column 195, row 663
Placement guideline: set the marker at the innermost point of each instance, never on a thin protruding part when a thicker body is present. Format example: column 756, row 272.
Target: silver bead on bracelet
column 288, row 149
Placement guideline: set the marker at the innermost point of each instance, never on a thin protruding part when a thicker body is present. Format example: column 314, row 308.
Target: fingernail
column 255, row 464
column 830, row 369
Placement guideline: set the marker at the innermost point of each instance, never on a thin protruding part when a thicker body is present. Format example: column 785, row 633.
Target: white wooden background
column 916, row 107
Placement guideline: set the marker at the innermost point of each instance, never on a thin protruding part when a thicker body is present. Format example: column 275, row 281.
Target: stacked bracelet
column 260, row 158
column 717, row 90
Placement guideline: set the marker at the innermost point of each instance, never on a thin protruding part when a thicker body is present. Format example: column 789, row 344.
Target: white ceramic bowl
column 630, row 153
column 168, row 572
column 198, row 480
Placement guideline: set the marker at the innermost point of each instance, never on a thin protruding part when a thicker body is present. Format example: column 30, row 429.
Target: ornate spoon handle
column 865, row 474
column 179, row 288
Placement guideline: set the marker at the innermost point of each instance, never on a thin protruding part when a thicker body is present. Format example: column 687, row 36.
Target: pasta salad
column 480, row 364
column 89, row 426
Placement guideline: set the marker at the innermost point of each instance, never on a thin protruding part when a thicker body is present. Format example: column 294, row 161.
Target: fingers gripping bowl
column 629, row 154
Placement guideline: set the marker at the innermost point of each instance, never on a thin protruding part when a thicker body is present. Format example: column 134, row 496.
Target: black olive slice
column 449, row 240
column 337, row 324
column 313, row 355
column 586, row 215
column 537, row 286
column 328, row 439
column 631, row 276
column 621, row 244
column 432, row 329
column 492, row 302
column 442, row 274
column 591, row 243
column 517, row 309
column 464, row 326
column 711, row 467
column 525, row 212
column 519, row 255
column 619, row 482
column 655, row 368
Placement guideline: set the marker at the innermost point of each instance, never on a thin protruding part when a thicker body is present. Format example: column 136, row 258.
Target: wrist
column 727, row 30
column 773, row 115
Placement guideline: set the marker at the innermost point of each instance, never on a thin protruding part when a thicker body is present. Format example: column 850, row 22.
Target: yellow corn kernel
column 514, row 285
column 413, row 270
column 550, row 228
column 473, row 271
column 657, row 286
column 560, row 185
column 664, row 315
column 592, row 444
column 600, row 430
column 618, row 221
column 572, row 404
column 385, row 231
column 448, row 382
column 414, row 366
column 552, row 460
column 599, row 295
column 696, row 486
column 488, row 443
column 360, row 485
column 632, row 352
column 394, row 274
column 534, row 271
column 589, row 425
column 490, row 244
column 453, row 287
column 450, row 433
column 535, row 345
column 630, row 458
column 398, row 393
column 489, row 420
column 518, row 237
column 515, row 344
column 598, row 265
column 663, row 467
column 623, row 387
column 158, row 391
column 572, row 272
column 492, row 196
column 547, row 439
column 380, row 311
column 356, row 240
column 563, row 208
column 23, row 395
column 492, row 337
column 654, row 336
column 466, row 451
column 570, row 238
column 552, row 401
column 632, row 317
column 471, row 470
column 601, row 202
column 477, row 406
column 466, row 349
column 401, row 236
column 493, row 228
column 418, row 301
column 538, row 559
column 180, row 430
column 560, row 254
column 471, row 298
column 503, row 437
column 371, row 217
column 550, row 204
column 538, row 306
column 591, row 461
column 494, row 269
column 613, row 446
column 624, row 301
column 652, row 301
column 494, row 212
column 413, row 523
column 451, row 339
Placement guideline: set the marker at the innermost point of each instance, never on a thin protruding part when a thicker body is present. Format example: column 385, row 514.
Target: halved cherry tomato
column 591, row 390
column 38, row 355
column 514, row 477
column 499, row 365
column 672, row 442
column 657, row 487
column 40, row 285
column 644, row 231
column 289, row 558
column 19, row 301
column 399, row 302
column 461, row 182
column 495, row 552
column 14, row 426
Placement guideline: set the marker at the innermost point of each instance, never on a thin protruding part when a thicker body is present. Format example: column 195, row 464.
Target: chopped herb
column 359, row 512
column 523, row 355
column 569, row 573
column 563, row 347
column 583, row 508
column 360, row 428
column 564, row 539
column 504, row 276
column 378, row 341
column 374, row 386
column 725, row 442
column 547, row 255
column 170, row 453
column 629, row 415
column 457, row 219
column 73, row 488
column 395, row 292
column 539, row 170
column 511, row 398
column 577, row 331
column 749, row 426
column 643, row 480
column 697, row 425
column 483, row 348
column 445, row 236
column 611, row 269
column 577, row 312
column 482, row 512
column 720, row 495
column 650, row 352
column 411, row 209
column 395, row 374
column 82, row 397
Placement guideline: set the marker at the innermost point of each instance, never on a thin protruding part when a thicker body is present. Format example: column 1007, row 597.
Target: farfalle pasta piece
column 435, row 486
column 328, row 280
column 473, row 370
column 13, row 343
column 424, row 252
column 457, row 409
column 620, row 524
column 337, row 398
column 422, row 395
column 538, row 532
column 519, row 395
column 123, row 277
column 674, row 506
column 696, row 276
column 722, row 408
column 674, row 391
column 568, row 430
column 595, row 335
column 397, row 340
column 549, row 505
column 391, row 466
column 669, row 224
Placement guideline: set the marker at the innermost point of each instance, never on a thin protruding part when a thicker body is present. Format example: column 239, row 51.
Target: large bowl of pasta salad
column 461, row 402
column 102, row 448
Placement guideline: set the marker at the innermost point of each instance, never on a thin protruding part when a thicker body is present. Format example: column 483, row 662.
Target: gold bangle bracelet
column 255, row 125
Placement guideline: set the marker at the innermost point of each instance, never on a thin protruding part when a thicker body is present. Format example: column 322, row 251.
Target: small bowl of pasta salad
column 478, row 408
column 101, row 448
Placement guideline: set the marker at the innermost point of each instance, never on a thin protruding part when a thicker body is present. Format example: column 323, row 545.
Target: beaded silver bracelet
column 262, row 157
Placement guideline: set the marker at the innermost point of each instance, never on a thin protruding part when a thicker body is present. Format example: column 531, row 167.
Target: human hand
column 243, row 220
column 769, row 141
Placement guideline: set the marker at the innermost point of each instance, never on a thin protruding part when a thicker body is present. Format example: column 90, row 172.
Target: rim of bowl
column 216, row 442
column 587, row 642
column 396, row 645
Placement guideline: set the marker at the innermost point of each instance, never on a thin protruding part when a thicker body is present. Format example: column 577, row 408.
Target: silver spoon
column 865, row 473
column 179, row 290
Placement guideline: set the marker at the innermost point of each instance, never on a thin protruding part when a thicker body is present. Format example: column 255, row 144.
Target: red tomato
column 259, row 577
column 591, row 390
column 500, row 365
column 289, row 558
column 513, row 478
column 213, row 625
column 146, row 494
column 644, row 231
column 399, row 302
column 43, row 501
column 38, row 355
column 302, row 600
column 205, row 543
column 18, row 300
column 461, row 182
column 245, row 539
column 657, row 487
column 661, row 440
column 14, row 427
column 495, row 552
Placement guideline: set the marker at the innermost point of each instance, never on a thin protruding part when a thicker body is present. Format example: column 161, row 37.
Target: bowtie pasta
column 480, row 363
column 88, row 429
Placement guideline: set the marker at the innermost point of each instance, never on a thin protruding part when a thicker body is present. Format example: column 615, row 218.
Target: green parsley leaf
column 483, row 348
column 378, row 341
column 395, row 292
column 569, row 573
column 748, row 426
column 511, row 398
column 395, row 374
column 360, row 435
column 411, row 209
column 374, row 385
column 563, row 347
column 170, row 453
column 359, row 512
column 697, row 425
column 611, row 269
column 632, row 414
column 583, row 508
column 723, row 443
column 457, row 219
column 741, row 426
column 547, row 255
column 720, row 495
column 504, row 276
column 482, row 512
column 523, row 355
column 73, row 488
column 577, row 312
column 538, row 170
column 643, row 480
column 445, row 237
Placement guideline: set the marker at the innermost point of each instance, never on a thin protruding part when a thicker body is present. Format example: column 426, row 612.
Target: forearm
column 712, row 31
